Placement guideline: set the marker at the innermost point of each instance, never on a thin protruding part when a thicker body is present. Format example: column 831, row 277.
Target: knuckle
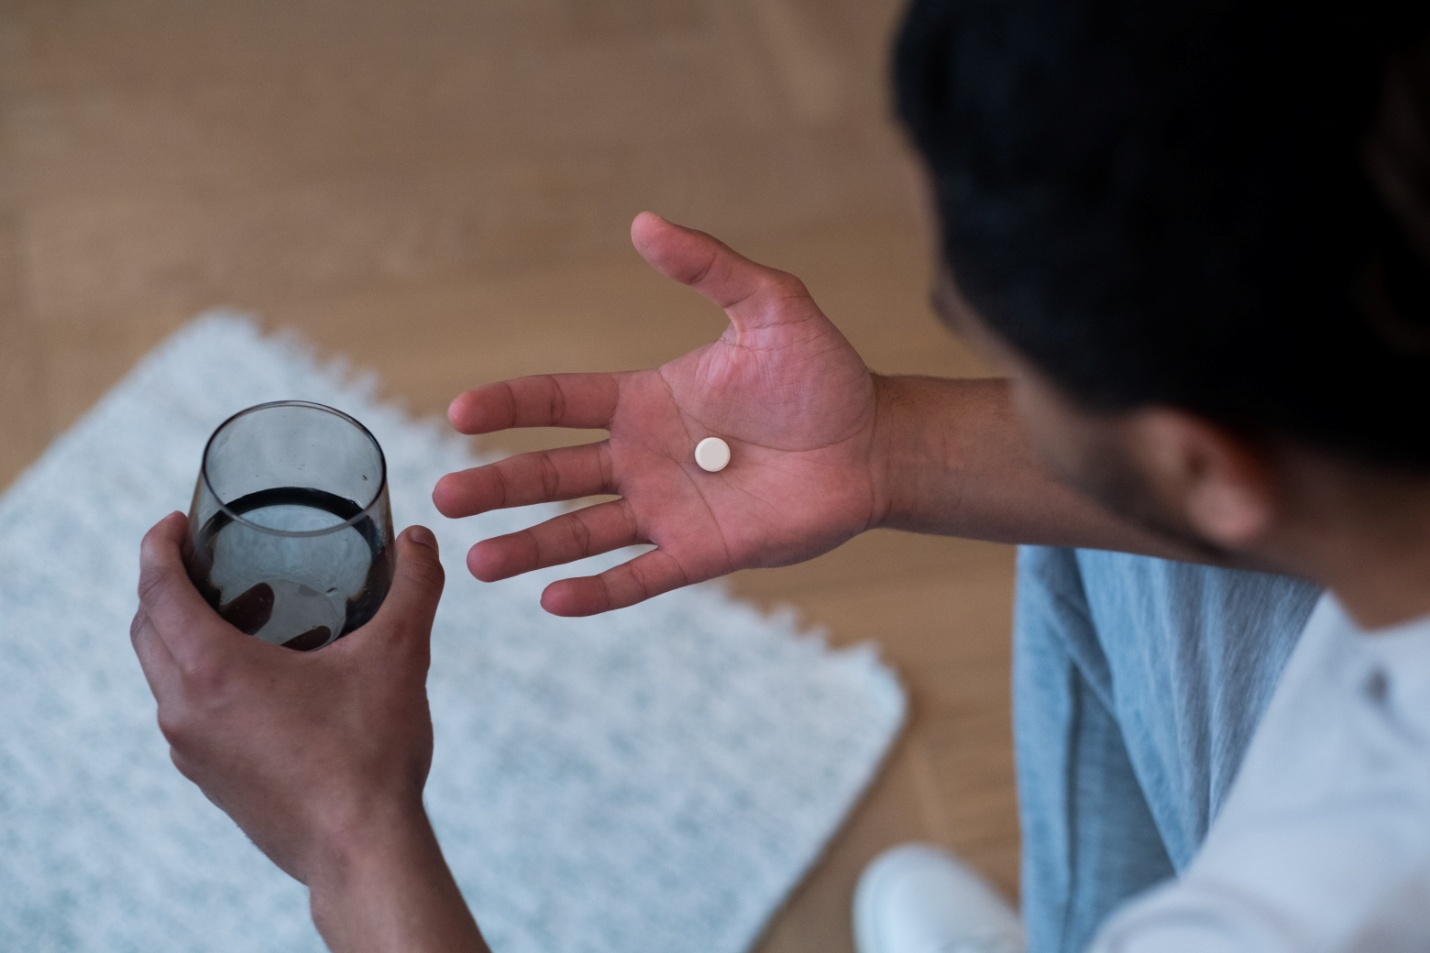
column 772, row 281
column 702, row 272
column 426, row 572
column 549, row 476
column 467, row 492
column 557, row 398
column 638, row 576
column 500, row 481
column 769, row 285
column 580, row 534
column 606, row 465
column 152, row 587
column 682, row 578
column 787, row 285
column 608, row 596
column 204, row 677
column 512, row 406
column 176, row 725
column 532, row 543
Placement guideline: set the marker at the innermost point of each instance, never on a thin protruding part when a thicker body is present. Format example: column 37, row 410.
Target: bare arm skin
column 957, row 462
column 391, row 890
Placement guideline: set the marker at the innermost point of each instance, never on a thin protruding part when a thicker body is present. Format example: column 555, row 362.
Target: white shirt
column 1323, row 843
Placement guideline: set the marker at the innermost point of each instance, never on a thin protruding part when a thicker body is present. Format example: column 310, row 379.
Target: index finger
column 179, row 615
column 584, row 401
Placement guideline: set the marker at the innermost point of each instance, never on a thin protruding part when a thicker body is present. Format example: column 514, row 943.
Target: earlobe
column 1224, row 481
column 1231, row 513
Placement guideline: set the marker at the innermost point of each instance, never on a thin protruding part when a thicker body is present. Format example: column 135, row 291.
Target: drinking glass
column 290, row 533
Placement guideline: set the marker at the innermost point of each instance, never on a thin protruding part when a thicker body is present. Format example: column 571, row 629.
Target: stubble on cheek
column 1108, row 476
column 1089, row 456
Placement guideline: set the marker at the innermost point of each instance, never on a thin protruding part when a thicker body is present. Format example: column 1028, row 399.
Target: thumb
column 411, row 603
column 753, row 295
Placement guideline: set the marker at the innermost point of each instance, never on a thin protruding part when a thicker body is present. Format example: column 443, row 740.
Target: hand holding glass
column 291, row 529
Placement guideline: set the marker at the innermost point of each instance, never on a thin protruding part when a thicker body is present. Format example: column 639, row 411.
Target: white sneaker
column 918, row 899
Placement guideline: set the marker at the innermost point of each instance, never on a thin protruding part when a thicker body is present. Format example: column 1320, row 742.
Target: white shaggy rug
column 655, row 779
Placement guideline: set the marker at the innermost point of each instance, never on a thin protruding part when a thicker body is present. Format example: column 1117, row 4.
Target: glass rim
column 365, row 509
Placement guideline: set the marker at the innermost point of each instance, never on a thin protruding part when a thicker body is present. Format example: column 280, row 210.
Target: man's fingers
column 565, row 474
column 160, row 671
column 586, row 532
column 417, row 582
column 179, row 615
column 583, row 401
column 753, row 295
column 640, row 579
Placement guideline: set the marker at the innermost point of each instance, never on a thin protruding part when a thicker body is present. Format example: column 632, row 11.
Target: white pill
column 712, row 454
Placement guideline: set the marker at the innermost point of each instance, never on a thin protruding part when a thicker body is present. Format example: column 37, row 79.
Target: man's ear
column 1222, row 483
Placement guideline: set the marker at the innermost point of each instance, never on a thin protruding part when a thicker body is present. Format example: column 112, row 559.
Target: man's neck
column 1364, row 534
column 1377, row 601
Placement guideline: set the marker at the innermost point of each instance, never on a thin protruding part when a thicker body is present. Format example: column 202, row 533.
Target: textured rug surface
column 653, row 779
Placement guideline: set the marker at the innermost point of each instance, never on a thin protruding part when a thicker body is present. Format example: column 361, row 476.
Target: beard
column 1105, row 474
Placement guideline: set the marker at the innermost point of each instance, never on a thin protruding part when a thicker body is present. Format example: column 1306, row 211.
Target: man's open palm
column 781, row 386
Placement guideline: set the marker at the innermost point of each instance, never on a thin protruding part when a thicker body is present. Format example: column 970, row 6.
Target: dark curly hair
column 1220, row 206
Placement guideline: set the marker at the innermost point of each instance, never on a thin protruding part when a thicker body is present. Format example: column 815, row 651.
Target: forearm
column 955, row 461
column 389, row 890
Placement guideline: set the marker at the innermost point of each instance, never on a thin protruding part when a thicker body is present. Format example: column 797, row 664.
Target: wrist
column 898, row 450
column 947, row 453
column 363, row 849
column 385, row 886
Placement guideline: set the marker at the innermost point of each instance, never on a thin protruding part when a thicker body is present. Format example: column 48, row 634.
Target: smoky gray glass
column 290, row 530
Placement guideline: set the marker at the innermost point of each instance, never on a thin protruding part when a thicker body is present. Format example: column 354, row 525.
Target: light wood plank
column 97, row 44
column 87, row 259
column 24, row 412
column 278, row 129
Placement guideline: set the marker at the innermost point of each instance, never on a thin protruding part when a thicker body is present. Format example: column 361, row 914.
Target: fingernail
column 422, row 536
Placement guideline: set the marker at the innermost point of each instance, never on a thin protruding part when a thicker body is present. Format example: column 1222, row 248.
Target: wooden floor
column 441, row 189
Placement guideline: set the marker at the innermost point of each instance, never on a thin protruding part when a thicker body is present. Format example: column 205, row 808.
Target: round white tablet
column 712, row 454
